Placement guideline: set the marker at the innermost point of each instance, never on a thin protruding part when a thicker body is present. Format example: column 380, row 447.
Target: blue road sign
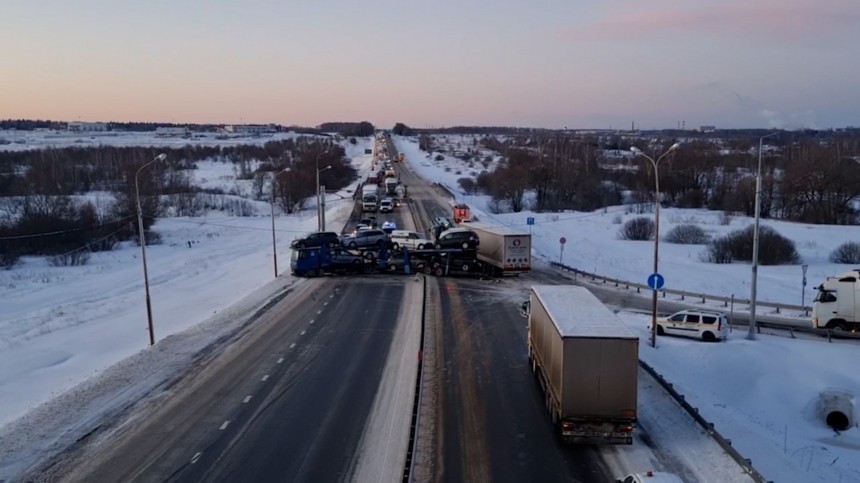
column 530, row 221
column 804, row 281
column 656, row 281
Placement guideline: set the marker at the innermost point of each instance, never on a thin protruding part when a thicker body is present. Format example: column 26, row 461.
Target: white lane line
column 312, row 321
column 224, row 426
column 293, row 345
column 319, row 312
column 245, row 401
column 303, row 332
column 265, row 378
column 325, row 303
column 331, row 296
column 196, row 457
column 280, row 360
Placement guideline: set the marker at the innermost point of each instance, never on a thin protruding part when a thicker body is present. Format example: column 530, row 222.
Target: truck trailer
column 369, row 197
column 586, row 362
column 502, row 250
column 837, row 304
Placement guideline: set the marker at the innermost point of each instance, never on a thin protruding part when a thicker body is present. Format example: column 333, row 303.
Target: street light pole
column 320, row 219
column 317, row 165
column 654, row 163
column 272, row 204
column 160, row 157
column 752, row 324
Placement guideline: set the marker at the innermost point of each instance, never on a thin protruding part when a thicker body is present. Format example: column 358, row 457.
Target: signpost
column 656, row 281
column 561, row 241
column 530, row 221
column 803, row 289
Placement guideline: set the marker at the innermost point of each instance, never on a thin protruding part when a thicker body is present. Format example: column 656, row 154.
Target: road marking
column 303, row 332
column 224, row 426
column 325, row 303
column 319, row 312
column 245, row 401
column 196, row 457
column 331, row 296
column 312, row 321
column 293, row 345
column 265, row 378
column 280, row 360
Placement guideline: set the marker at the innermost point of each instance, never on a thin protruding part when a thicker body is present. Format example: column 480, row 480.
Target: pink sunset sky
column 552, row 63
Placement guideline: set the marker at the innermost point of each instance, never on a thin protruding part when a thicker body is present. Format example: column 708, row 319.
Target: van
column 708, row 326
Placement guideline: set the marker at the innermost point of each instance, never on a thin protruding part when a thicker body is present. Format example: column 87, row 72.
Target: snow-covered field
column 61, row 326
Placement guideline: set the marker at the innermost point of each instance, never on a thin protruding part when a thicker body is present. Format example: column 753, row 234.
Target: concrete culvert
column 837, row 408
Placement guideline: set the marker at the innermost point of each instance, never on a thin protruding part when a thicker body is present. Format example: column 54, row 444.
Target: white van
column 410, row 240
column 698, row 324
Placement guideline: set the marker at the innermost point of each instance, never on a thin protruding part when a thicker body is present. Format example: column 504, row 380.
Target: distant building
column 252, row 129
column 708, row 129
column 78, row 126
column 172, row 132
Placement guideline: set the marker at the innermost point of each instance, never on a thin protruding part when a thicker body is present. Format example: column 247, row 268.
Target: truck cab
column 837, row 303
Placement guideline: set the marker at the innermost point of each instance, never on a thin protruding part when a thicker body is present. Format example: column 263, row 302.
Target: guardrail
column 724, row 443
column 789, row 324
column 683, row 294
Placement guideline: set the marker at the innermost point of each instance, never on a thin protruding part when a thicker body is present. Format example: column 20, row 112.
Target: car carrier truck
column 503, row 250
column 586, row 362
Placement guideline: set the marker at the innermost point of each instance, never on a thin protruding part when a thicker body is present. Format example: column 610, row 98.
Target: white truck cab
column 837, row 304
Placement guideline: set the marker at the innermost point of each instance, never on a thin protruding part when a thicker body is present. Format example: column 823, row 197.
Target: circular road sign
column 562, row 240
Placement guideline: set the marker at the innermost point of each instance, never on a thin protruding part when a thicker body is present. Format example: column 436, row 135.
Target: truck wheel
column 465, row 245
column 395, row 246
column 367, row 269
column 427, row 270
column 837, row 326
column 311, row 273
column 465, row 267
column 438, row 246
column 353, row 245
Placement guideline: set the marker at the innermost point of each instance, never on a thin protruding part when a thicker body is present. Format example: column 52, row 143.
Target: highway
column 289, row 399
column 320, row 388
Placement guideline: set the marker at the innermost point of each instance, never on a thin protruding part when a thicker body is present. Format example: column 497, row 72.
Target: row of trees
column 811, row 182
column 46, row 206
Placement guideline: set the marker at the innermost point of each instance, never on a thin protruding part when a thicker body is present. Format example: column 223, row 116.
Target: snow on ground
column 61, row 326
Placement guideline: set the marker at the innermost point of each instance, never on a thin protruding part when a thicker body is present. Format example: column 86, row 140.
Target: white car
column 409, row 239
column 698, row 324
column 386, row 205
column 389, row 226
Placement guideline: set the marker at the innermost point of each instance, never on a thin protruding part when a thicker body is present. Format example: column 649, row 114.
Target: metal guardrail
column 709, row 428
column 789, row 324
column 683, row 294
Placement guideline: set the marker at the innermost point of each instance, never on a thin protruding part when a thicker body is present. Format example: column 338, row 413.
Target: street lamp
column 320, row 203
column 160, row 157
column 752, row 326
column 272, row 204
column 654, row 163
column 317, row 165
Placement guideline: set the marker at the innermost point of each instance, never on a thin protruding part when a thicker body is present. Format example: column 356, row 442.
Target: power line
column 91, row 243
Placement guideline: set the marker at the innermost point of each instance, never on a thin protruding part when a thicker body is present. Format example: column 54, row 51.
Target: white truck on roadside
column 837, row 304
column 587, row 363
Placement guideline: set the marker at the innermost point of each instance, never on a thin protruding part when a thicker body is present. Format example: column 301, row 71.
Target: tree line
column 47, row 206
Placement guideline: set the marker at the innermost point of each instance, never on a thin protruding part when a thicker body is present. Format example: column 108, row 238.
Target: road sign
column 530, row 221
column 656, row 281
column 562, row 240
column 804, row 281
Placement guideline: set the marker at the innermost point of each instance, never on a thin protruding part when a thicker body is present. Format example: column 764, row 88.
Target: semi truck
column 586, row 362
column 837, row 304
column 369, row 197
column 390, row 184
column 502, row 250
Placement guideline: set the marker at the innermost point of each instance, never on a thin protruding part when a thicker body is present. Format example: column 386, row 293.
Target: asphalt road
column 288, row 401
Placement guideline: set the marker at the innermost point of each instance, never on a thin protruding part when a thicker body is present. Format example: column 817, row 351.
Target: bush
column 439, row 157
column 848, row 252
column 468, row 185
column 641, row 228
column 687, row 235
column 773, row 249
column 616, row 220
column 73, row 259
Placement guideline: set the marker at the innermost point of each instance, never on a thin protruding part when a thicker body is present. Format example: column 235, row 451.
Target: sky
column 74, row 343
column 585, row 64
